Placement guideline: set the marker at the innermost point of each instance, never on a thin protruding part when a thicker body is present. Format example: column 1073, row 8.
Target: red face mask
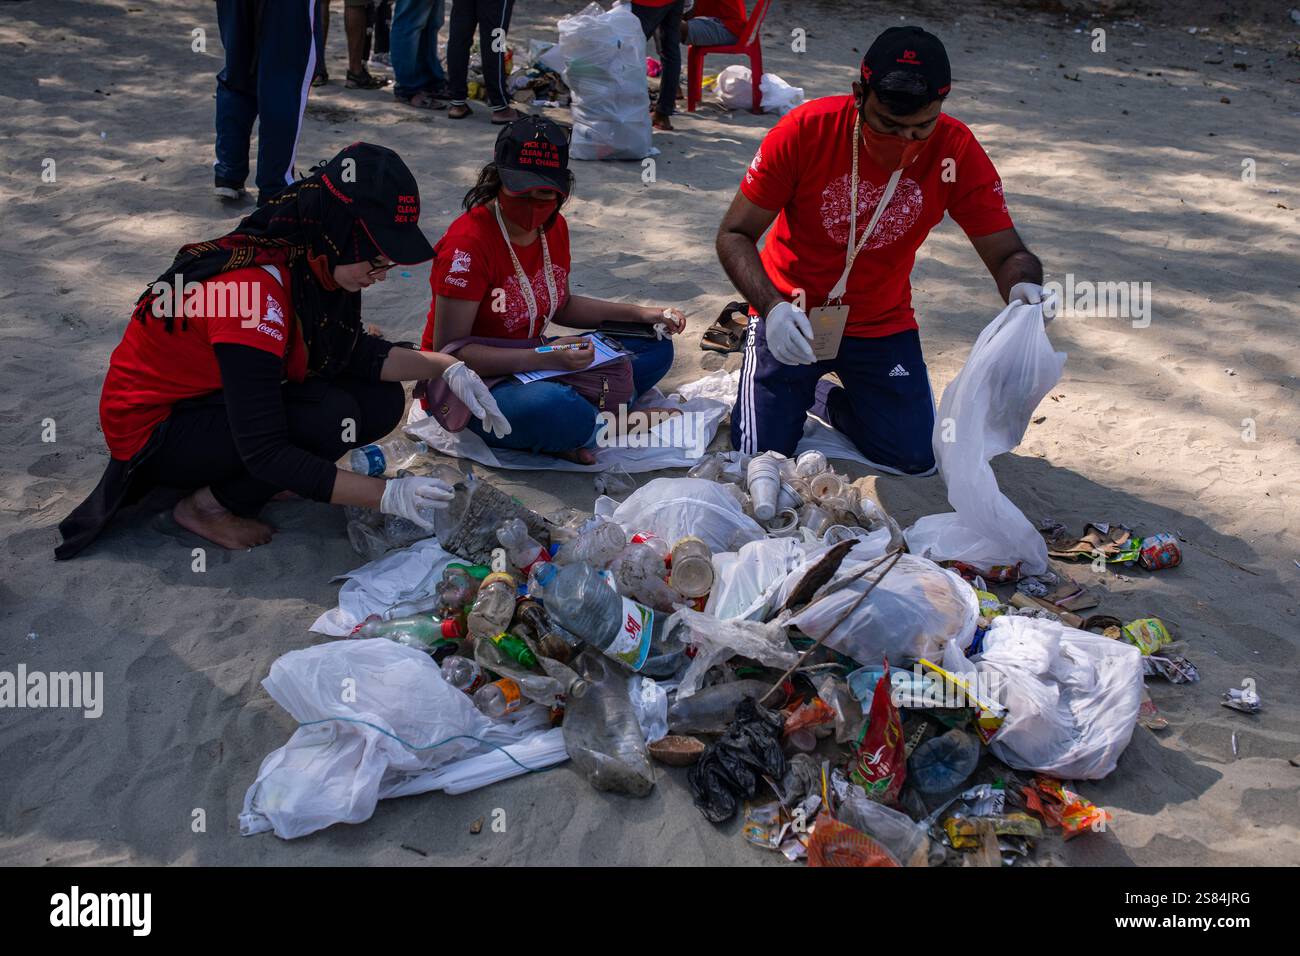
column 891, row 152
column 525, row 211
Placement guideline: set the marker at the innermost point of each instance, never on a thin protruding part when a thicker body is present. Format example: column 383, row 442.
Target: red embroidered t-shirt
column 151, row 369
column 730, row 12
column 471, row 261
column 802, row 168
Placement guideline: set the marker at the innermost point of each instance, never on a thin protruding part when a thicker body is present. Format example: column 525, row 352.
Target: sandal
column 727, row 334
column 320, row 79
column 424, row 100
column 365, row 80
column 458, row 111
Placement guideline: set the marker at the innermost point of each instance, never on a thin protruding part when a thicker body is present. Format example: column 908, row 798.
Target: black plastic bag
column 732, row 768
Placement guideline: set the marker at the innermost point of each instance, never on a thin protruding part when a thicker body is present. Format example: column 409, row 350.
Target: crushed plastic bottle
column 639, row 573
column 498, row 698
column 582, row 601
column 463, row 674
column 710, row 709
column 522, row 550
column 557, row 684
column 601, row 733
column 597, row 543
column 494, row 606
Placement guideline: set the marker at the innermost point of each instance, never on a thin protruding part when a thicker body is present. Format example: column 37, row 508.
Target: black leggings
column 198, row 449
column 487, row 15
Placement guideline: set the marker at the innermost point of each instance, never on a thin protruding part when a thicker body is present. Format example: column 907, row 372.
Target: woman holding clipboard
column 500, row 277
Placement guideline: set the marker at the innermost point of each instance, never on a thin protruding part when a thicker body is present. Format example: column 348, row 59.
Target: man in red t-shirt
column 851, row 186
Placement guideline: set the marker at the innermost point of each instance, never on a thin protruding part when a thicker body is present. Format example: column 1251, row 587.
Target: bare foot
column 202, row 514
column 583, row 456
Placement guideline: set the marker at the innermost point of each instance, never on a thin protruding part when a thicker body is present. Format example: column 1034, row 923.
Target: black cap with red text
column 533, row 153
column 381, row 192
column 909, row 50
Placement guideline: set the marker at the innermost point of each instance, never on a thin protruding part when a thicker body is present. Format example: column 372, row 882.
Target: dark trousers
column 198, row 449
column 885, row 406
column 486, row 15
column 665, row 23
column 270, row 56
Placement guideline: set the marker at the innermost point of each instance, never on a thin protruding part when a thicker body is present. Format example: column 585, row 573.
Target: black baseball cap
column 533, row 153
column 909, row 50
column 380, row 191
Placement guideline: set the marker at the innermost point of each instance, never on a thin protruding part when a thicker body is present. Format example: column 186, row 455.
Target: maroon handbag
column 607, row 386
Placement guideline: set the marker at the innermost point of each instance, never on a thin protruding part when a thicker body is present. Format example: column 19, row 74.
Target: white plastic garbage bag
column 650, row 701
column 362, row 707
column 673, row 508
column 984, row 412
column 742, row 578
column 915, row 610
column 1072, row 697
column 736, row 91
column 398, row 577
column 717, row 641
column 604, row 67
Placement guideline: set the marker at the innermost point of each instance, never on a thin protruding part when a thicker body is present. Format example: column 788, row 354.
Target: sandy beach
column 1123, row 166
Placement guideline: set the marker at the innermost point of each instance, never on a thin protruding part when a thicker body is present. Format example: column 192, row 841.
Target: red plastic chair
column 750, row 46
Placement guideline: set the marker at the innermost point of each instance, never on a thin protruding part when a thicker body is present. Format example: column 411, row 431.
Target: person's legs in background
column 321, row 75
column 885, row 406
column 411, row 75
column 383, row 21
column 460, row 37
column 356, row 22
column 286, row 59
column 494, row 16
column 236, row 97
column 665, row 24
column 773, row 399
column 430, row 46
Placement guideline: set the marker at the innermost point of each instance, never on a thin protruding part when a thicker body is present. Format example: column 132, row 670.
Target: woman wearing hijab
column 245, row 370
column 500, row 276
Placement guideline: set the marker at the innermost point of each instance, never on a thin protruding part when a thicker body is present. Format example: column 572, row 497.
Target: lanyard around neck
column 851, row 250
column 525, row 285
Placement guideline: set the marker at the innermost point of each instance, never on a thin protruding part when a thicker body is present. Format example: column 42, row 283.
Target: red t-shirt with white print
column 471, row 261
column 151, row 369
column 802, row 168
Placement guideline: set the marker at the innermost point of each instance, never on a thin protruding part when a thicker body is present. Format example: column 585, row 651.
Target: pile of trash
column 760, row 622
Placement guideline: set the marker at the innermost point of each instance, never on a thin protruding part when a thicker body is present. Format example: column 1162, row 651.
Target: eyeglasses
column 378, row 266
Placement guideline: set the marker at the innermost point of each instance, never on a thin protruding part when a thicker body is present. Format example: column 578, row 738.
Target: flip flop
column 424, row 100
column 727, row 333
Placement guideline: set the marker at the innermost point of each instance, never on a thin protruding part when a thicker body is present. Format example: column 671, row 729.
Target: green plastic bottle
column 514, row 648
column 424, row 632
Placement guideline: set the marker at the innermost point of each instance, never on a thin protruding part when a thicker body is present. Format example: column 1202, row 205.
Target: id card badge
column 827, row 323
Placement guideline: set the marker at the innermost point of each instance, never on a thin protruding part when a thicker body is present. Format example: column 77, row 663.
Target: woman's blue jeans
column 549, row 416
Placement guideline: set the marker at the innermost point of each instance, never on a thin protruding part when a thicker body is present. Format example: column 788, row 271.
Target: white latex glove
column 789, row 335
column 1031, row 293
column 469, row 388
column 407, row 497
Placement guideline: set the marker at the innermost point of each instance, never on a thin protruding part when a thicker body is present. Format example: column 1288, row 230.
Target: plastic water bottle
column 639, row 573
column 515, row 649
column 498, row 698
column 424, row 632
column 392, row 453
column 710, row 709
column 692, row 573
column 522, row 550
column 463, row 674
column 581, row 600
column 494, row 606
column 598, row 543
column 558, row 684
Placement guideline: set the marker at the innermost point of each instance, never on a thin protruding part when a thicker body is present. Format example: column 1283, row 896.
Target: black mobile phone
column 627, row 330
